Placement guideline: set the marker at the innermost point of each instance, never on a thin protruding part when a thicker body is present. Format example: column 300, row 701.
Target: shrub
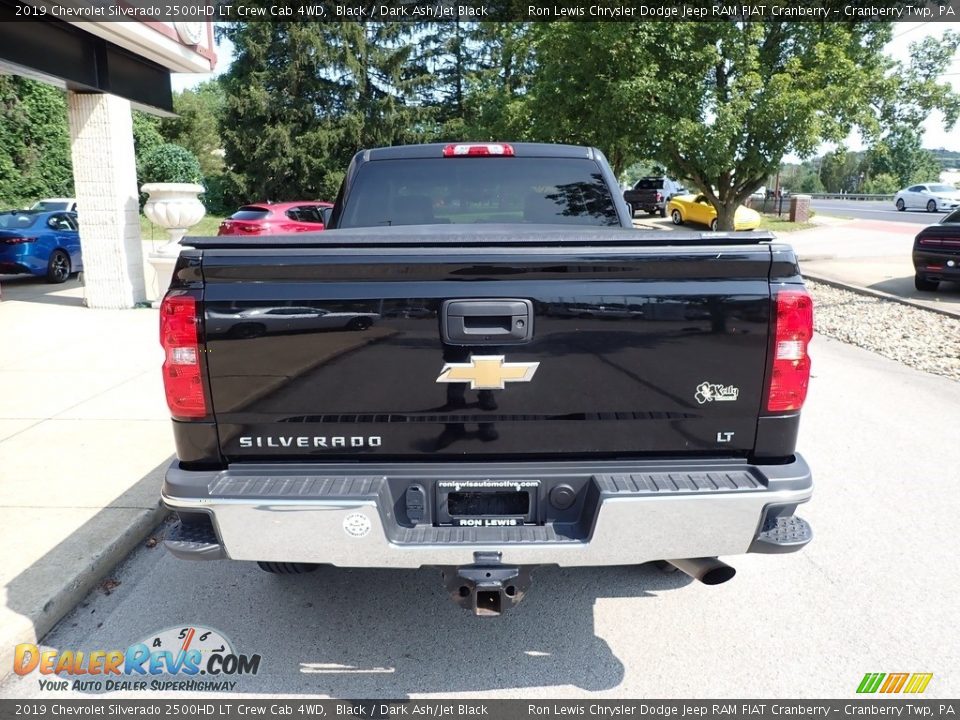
column 169, row 163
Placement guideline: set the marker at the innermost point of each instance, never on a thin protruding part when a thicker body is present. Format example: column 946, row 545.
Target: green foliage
column 197, row 124
column 34, row 142
column 603, row 98
column 722, row 103
column 223, row 192
column 302, row 98
column 840, row 170
column 900, row 155
column 496, row 105
column 169, row 163
column 882, row 184
column 146, row 133
column 810, row 183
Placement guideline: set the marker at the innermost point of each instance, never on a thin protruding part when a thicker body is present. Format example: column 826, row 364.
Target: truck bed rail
column 493, row 235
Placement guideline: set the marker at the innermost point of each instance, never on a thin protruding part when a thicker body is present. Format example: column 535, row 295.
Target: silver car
column 260, row 321
column 932, row 197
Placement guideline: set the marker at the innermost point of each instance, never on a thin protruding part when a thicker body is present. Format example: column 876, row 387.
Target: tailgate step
column 782, row 534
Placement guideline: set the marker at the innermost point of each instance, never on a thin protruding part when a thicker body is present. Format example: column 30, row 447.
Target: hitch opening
column 487, row 588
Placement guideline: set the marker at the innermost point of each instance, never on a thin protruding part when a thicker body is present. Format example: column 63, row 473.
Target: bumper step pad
column 782, row 535
column 194, row 542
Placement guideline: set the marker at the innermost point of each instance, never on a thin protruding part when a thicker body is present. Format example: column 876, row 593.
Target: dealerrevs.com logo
column 187, row 658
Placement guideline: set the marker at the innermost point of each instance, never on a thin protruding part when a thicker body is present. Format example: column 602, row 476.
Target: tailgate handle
column 486, row 322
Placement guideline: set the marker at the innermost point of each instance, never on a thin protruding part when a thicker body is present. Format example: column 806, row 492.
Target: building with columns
column 107, row 68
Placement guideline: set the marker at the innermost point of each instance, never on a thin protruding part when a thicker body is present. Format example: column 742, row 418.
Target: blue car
column 41, row 243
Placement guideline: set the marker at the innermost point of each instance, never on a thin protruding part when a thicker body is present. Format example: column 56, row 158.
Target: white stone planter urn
column 176, row 208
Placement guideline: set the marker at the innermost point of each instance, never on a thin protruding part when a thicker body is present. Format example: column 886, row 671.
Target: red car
column 275, row 218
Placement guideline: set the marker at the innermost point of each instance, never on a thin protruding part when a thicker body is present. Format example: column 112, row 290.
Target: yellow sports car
column 696, row 208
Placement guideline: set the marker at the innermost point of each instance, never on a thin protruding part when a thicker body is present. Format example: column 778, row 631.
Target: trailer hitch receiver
column 488, row 587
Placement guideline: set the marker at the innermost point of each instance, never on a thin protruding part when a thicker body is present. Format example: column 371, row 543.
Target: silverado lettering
column 659, row 425
column 302, row 441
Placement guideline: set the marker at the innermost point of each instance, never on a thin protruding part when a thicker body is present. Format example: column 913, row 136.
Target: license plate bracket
column 487, row 503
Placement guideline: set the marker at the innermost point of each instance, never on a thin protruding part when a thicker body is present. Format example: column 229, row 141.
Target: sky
column 935, row 135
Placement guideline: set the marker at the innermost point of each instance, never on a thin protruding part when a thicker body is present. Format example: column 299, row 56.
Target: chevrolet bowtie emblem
column 487, row 372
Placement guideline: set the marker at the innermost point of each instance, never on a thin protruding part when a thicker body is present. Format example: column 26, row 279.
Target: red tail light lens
column 940, row 242
column 791, row 363
column 17, row 240
column 659, row 197
column 182, row 380
column 477, row 149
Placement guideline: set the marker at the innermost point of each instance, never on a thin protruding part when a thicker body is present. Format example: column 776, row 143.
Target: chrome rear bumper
column 626, row 513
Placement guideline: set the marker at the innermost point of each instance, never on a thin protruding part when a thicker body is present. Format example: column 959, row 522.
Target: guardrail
column 849, row 196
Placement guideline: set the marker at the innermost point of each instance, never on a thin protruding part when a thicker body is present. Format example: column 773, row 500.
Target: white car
column 932, row 197
column 260, row 321
column 51, row 204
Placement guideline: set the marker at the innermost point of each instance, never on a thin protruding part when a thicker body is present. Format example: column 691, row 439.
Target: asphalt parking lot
column 875, row 591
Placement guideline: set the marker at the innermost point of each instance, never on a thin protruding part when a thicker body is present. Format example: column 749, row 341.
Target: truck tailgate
column 339, row 352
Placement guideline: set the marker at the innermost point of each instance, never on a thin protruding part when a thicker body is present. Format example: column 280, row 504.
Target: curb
column 880, row 295
column 75, row 586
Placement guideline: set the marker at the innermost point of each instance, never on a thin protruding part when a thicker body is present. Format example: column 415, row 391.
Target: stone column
column 105, row 178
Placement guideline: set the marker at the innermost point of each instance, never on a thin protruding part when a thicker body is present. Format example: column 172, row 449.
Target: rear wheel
column 663, row 211
column 58, row 267
column 287, row 568
column 361, row 323
column 921, row 283
column 713, row 224
column 931, row 205
column 901, row 206
column 676, row 217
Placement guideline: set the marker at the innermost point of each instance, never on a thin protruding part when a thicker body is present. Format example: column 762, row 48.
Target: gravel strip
column 923, row 340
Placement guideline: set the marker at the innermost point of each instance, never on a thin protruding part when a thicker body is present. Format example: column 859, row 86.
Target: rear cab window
column 434, row 191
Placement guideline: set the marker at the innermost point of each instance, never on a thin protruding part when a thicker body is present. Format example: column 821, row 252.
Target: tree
column 810, row 183
column 497, row 106
column 197, row 124
column 882, row 184
column 146, row 133
column 900, row 155
column 723, row 102
column 34, row 142
column 840, row 170
column 302, row 98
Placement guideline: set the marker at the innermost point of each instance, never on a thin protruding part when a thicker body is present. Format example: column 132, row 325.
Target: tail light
column 791, row 362
column 182, row 381
column 477, row 149
column 940, row 242
column 17, row 240
column 659, row 197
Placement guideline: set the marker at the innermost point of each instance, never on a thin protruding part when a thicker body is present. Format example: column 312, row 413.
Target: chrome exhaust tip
column 709, row 571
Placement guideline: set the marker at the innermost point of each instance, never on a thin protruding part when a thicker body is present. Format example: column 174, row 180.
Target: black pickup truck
column 482, row 368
